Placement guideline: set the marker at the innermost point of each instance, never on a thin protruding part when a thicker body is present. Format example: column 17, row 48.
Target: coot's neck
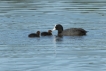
column 59, row 32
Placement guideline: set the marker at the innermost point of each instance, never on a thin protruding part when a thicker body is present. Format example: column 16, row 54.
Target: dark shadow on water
column 57, row 38
column 68, row 38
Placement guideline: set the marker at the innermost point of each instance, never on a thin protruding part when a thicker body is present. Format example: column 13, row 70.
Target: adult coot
column 37, row 34
column 49, row 33
column 69, row 32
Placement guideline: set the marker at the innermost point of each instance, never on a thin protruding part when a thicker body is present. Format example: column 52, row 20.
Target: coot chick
column 49, row 33
column 69, row 32
column 37, row 34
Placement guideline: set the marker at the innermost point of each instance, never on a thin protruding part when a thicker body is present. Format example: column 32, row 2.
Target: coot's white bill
column 54, row 28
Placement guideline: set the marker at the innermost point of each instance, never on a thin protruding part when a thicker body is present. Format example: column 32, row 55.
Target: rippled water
column 18, row 18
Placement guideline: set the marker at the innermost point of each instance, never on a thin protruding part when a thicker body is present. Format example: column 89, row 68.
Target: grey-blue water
column 18, row 18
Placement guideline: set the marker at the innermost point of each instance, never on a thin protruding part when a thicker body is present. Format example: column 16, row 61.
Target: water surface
column 18, row 18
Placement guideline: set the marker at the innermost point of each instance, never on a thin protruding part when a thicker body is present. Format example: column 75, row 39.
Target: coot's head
column 58, row 27
column 49, row 31
column 38, row 32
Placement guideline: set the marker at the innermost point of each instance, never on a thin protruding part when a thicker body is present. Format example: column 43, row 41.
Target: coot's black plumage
column 69, row 32
column 37, row 34
column 49, row 33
